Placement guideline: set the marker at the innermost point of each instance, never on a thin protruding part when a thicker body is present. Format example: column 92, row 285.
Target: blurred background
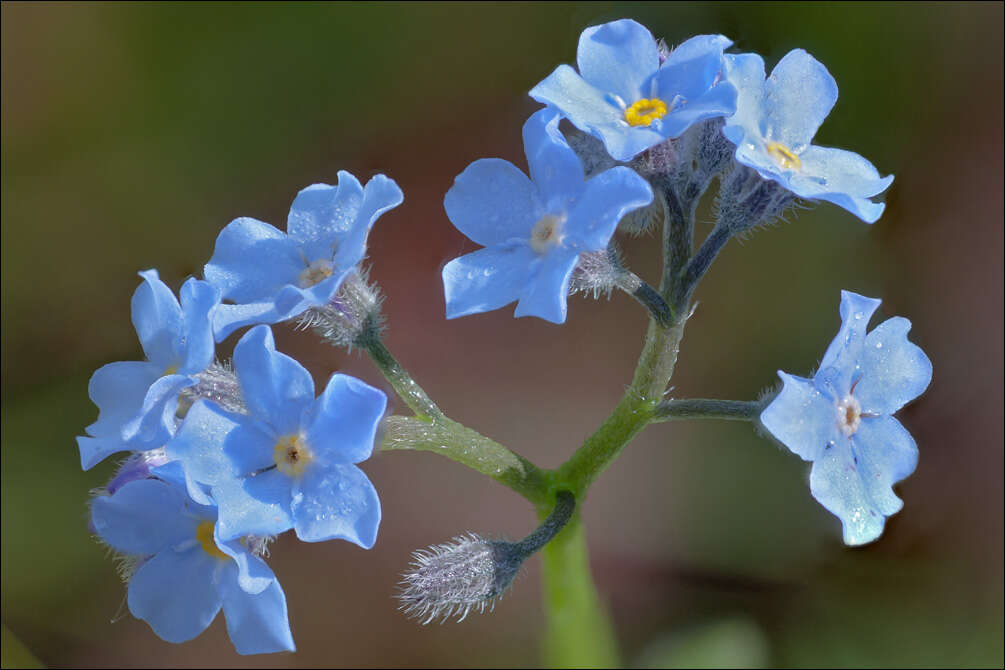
column 133, row 133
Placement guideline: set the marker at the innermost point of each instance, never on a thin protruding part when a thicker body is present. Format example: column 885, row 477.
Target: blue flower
column 289, row 462
column 137, row 399
column 841, row 419
column 273, row 276
column 533, row 229
column 776, row 118
column 627, row 98
column 185, row 573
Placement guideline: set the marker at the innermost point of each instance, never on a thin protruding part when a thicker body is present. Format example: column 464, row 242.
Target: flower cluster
column 226, row 456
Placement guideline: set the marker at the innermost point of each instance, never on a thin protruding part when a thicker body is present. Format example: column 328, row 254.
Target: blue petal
column 379, row 195
column 798, row 96
column 216, row 445
column 320, row 211
column 840, row 366
column 802, row 418
column 154, row 425
column 336, row 501
column 720, row 100
column 258, row 505
column 157, row 319
column 276, row 388
column 886, row 454
column 253, row 575
column 144, row 517
column 344, row 420
column 746, row 73
column 175, row 592
column 546, row 296
column 289, row 302
column 692, row 68
column 894, row 371
column 195, row 348
column 118, row 389
column 257, row 624
column 554, row 167
column 618, row 57
column 604, row 200
column 253, row 261
column 842, row 177
column 492, row 202
column 486, row 279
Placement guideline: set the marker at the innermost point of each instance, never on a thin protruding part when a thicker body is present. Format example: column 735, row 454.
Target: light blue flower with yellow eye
column 137, row 399
column 269, row 276
column 290, row 462
column 625, row 96
column 533, row 230
column 841, row 419
column 185, row 573
column 775, row 121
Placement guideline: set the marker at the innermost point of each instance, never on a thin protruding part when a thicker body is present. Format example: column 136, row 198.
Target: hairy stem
column 403, row 384
column 703, row 408
column 646, row 295
column 698, row 265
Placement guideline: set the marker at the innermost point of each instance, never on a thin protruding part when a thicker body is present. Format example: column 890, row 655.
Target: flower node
column 643, row 112
column 292, row 455
column 546, row 233
column 316, row 273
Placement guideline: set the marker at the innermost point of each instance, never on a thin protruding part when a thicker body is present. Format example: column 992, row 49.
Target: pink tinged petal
column 554, row 167
column 336, row 502
column 176, row 593
column 145, row 517
column 802, row 418
column 487, row 279
column 546, row 295
column 257, row 623
column 196, row 348
column 894, row 371
column 253, row 261
column 840, row 366
column 493, row 202
column 618, row 57
column 798, row 96
column 157, row 318
column 343, row 422
column 258, row 505
column 276, row 388
column 602, row 202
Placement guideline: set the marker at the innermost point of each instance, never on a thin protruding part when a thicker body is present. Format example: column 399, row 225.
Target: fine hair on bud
column 354, row 313
column 747, row 201
column 218, row 383
column 455, row 577
column 598, row 272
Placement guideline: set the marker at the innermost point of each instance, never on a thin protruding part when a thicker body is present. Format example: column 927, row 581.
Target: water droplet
column 879, row 345
column 858, row 315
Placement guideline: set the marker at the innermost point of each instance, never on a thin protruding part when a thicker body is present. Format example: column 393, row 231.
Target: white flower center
column 546, row 233
column 849, row 415
column 316, row 273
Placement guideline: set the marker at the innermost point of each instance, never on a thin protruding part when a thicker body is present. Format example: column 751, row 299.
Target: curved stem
column 703, row 408
column 400, row 380
column 699, row 264
column 646, row 295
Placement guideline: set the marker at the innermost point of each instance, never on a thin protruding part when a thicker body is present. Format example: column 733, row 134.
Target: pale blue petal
column 894, row 370
column 746, row 73
column 798, row 96
column 144, row 517
column 840, row 366
column 486, row 279
column 154, row 425
column 344, row 419
column 603, row 201
column 252, row 261
column 276, row 388
column 216, row 445
column 691, row 69
column 252, row 574
column 554, row 167
column 175, row 592
column 320, row 212
column 618, row 57
column 157, row 319
column 336, row 501
column 802, row 418
column 195, row 348
column 288, row 302
column 379, row 195
column 836, row 483
column 546, row 295
column 842, row 177
column 257, row 624
column 118, row 389
column 492, row 202
column 886, row 454
column 720, row 100
column 258, row 505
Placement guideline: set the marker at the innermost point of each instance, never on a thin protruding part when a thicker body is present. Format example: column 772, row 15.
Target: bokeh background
column 133, row 133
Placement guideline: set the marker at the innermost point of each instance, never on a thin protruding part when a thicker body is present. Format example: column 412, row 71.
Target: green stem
column 703, row 408
column 400, row 380
column 579, row 633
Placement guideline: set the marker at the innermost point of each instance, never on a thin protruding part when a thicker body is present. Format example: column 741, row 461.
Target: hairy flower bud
column 353, row 311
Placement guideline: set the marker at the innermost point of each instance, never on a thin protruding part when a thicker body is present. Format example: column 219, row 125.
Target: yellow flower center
column 316, row 273
column 643, row 112
column 292, row 455
column 204, row 533
column 172, row 369
column 546, row 233
column 784, row 156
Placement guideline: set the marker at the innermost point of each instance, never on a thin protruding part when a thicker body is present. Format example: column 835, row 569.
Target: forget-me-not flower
column 775, row 121
column 289, row 462
column 272, row 276
column 533, row 229
column 137, row 399
column 841, row 419
column 186, row 574
column 625, row 96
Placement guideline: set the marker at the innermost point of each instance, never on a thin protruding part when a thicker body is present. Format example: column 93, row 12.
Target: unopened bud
column 350, row 315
